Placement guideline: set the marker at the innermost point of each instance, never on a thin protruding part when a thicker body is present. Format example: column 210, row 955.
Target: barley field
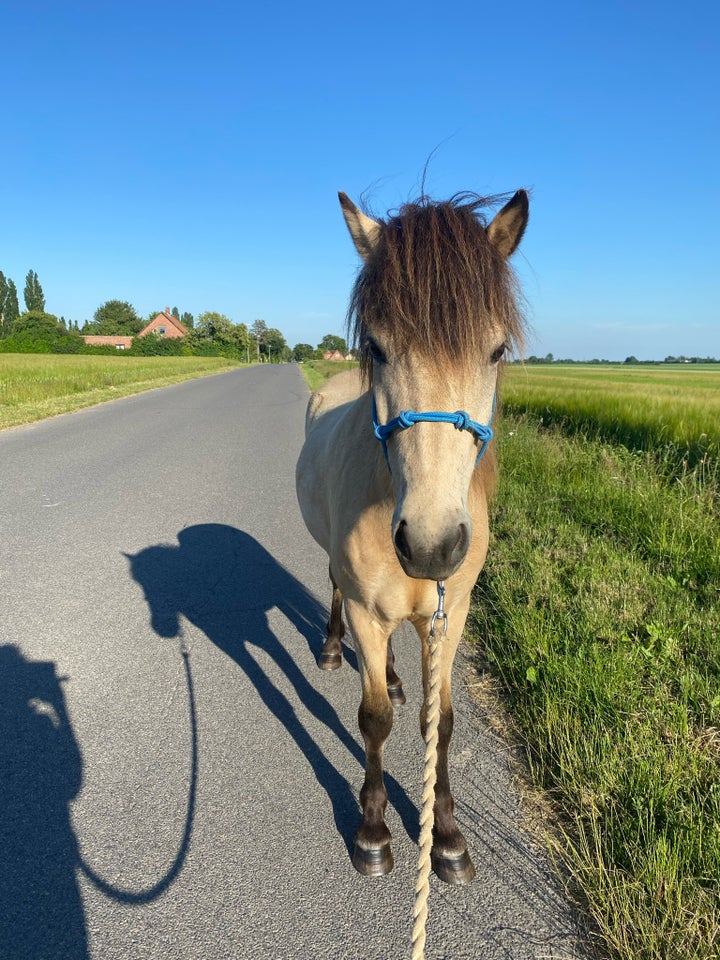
column 642, row 407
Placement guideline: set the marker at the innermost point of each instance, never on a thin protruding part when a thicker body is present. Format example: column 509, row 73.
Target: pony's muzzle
column 431, row 559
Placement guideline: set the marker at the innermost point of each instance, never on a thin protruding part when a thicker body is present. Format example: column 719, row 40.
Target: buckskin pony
column 398, row 464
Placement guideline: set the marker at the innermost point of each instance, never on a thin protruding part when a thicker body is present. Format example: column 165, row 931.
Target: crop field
column 34, row 386
column 642, row 407
column 596, row 627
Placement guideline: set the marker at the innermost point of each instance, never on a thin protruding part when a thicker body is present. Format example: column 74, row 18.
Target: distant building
column 120, row 343
column 336, row 355
column 163, row 325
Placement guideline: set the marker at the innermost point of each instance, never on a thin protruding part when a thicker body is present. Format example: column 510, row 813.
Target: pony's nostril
column 401, row 542
column 460, row 547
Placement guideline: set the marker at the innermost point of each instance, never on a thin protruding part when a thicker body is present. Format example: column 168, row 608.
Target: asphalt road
column 178, row 779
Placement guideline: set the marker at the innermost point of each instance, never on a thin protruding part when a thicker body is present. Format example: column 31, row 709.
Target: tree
column 36, row 330
column 631, row 359
column 243, row 341
column 214, row 326
column 258, row 331
column 33, row 294
column 276, row 346
column 303, row 352
column 11, row 308
column 332, row 342
column 176, row 313
column 115, row 318
column 187, row 320
column 3, row 297
column 216, row 333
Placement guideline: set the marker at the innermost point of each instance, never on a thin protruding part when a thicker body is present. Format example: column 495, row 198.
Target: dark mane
column 436, row 283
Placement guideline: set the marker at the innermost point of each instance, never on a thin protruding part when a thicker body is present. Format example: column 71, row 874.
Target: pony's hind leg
column 331, row 654
column 393, row 681
column 449, row 857
column 372, row 855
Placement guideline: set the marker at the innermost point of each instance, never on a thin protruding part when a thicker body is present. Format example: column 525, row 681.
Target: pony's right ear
column 363, row 229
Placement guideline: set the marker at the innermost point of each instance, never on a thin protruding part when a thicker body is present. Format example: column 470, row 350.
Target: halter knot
column 462, row 420
column 405, row 419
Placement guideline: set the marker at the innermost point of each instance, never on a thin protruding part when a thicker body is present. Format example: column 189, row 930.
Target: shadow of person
column 41, row 912
column 226, row 583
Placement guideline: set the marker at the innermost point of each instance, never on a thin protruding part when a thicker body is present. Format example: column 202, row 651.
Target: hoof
column 456, row 869
column 329, row 661
column 397, row 695
column 375, row 862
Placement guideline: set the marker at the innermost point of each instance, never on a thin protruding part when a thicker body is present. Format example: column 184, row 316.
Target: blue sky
column 190, row 155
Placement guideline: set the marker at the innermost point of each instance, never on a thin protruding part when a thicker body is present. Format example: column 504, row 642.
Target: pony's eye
column 498, row 354
column 375, row 351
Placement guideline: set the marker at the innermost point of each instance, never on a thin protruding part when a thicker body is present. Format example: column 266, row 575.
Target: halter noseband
column 460, row 420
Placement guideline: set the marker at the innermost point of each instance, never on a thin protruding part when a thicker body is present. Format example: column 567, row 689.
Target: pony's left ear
column 508, row 226
column 363, row 229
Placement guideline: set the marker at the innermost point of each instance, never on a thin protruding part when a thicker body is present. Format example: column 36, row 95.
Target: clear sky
column 190, row 154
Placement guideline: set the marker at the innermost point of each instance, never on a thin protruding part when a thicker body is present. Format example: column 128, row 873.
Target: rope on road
column 432, row 720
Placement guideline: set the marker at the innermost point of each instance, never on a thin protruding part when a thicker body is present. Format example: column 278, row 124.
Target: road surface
column 179, row 780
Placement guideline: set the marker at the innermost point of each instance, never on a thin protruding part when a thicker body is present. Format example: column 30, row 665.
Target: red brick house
column 165, row 325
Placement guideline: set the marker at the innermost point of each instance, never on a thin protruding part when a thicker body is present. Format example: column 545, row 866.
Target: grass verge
column 598, row 616
column 33, row 387
column 318, row 371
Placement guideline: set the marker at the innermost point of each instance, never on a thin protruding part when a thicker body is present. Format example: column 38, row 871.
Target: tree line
column 549, row 358
column 209, row 334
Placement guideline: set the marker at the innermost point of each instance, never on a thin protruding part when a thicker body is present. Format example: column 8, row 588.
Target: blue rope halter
column 460, row 420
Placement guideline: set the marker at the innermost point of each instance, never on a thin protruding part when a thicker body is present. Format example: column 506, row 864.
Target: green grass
column 598, row 618
column 674, row 409
column 34, row 386
column 318, row 371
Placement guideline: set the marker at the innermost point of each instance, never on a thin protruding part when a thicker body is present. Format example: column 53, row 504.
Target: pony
column 397, row 499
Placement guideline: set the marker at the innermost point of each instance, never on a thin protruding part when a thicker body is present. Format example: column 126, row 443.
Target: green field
column 664, row 408
column 35, row 386
column 596, row 625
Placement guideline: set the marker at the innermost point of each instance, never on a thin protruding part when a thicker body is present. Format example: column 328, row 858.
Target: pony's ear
column 363, row 229
column 508, row 226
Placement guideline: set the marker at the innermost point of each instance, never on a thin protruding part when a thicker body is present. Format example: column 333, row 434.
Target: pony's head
column 434, row 309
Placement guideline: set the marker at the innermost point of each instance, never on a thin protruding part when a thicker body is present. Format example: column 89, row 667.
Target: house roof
column 167, row 319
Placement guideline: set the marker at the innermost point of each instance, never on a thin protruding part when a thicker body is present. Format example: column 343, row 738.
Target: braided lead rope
column 432, row 723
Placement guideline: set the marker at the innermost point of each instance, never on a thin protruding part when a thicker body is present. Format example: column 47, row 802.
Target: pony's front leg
column 372, row 855
column 450, row 857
